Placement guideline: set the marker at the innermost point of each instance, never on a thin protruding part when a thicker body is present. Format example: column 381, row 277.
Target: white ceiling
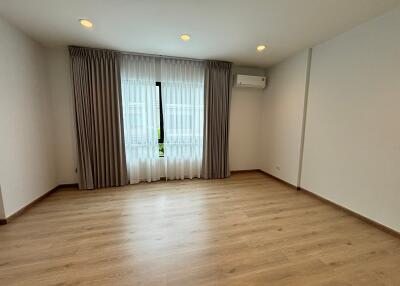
column 220, row 29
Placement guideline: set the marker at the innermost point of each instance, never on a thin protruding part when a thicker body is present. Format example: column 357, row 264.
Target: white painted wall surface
column 245, row 129
column 27, row 161
column 352, row 139
column 282, row 115
column 61, row 90
column 245, row 124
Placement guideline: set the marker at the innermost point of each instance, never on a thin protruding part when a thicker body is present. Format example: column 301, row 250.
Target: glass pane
column 161, row 149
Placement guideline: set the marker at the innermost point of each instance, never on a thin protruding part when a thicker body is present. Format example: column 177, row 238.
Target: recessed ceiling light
column 86, row 23
column 261, row 48
column 185, row 37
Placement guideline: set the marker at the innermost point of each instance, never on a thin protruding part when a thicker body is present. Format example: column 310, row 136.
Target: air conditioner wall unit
column 252, row 81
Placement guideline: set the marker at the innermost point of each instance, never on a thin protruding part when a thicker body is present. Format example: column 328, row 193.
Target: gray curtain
column 98, row 108
column 217, row 90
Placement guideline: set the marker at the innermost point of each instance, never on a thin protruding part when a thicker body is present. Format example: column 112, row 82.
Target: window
column 163, row 114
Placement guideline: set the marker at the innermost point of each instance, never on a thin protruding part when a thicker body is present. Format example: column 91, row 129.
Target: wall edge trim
column 23, row 209
column 353, row 213
column 361, row 217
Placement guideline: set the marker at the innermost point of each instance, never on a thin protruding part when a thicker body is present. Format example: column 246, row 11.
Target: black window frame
column 161, row 139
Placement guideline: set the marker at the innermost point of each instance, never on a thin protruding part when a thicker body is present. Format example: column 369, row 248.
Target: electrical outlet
column 278, row 168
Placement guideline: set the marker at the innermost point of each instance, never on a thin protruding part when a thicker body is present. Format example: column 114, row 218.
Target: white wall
column 282, row 117
column 245, row 124
column 63, row 112
column 245, row 129
column 27, row 161
column 352, row 139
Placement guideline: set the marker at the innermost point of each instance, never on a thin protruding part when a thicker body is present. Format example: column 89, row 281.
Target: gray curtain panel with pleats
column 99, row 123
column 217, row 92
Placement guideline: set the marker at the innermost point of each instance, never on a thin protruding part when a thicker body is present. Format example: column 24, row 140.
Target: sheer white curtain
column 183, row 109
column 141, row 118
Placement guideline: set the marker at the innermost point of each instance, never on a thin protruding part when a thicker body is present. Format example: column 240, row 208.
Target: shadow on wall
column 2, row 213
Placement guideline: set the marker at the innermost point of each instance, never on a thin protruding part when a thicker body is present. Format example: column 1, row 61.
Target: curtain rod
column 148, row 55
column 161, row 56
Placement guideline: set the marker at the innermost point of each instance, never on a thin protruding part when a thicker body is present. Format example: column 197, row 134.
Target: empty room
column 200, row 143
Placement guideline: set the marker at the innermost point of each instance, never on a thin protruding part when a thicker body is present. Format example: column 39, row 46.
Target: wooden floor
column 245, row 230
